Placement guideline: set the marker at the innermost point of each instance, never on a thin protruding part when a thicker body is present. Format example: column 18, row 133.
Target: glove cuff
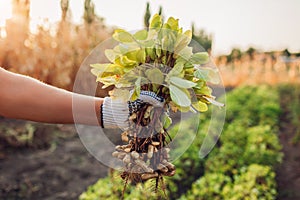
column 114, row 113
column 152, row 98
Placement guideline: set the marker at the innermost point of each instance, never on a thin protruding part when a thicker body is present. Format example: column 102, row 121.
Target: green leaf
column 108, row 81
column 202, row 74
column 180, row 96
column 188, row 65
column 200, row 106
column 182, row 41
column 173, row 23
column 123, row 36
column 141, row 56
column 156, row 22
column 184, row 109
column 188, row 34
column 182, row 83
column 106, row 68
column 111, row 55
column 137, row 89
column 203, row 91
column 127, row 62
column 167, row 121
column 213, row 101
column 138, row 85
column 141, row 35
column 176, row 70
column 158, row 51
column 207, row 74
column 100, row 66
column 155, row 76
column 168, row 41
column 117, row 93
column 151, row 52
column 200, row 84
column 199, row 58
column 185, row 53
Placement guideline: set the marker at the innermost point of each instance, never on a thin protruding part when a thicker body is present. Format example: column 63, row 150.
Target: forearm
column 26, row 98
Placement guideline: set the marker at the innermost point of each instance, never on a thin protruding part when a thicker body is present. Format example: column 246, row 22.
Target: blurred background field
column 257, row 156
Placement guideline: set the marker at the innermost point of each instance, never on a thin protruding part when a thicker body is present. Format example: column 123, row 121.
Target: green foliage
column 236, row 54
column 189, row 167
column 248, row 150
column 242, row 147
column 212, row 186
column 242, row 164
column 253, row 106
column 111, row 188
column 22, row 135
column 262, row 146
column 251, row 51
column 202, row 38
column 161, row 58
column 253, row 182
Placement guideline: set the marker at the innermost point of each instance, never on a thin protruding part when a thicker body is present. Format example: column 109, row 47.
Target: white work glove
column 115, row 112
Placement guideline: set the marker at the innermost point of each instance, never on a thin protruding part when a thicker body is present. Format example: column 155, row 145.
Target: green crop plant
column 161, row 61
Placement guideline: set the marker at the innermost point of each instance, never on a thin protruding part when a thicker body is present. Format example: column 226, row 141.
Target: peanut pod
column 119, row 155
column 122, row 147
column 150, row 151
column 135, row 155
column 136, row 169
column 170, row 173
column 124, row 136
column 162, row 168
column 148, row 176
column 126, row 159
column 166, row 153
column 148, row 111
column 127, row 150
column 144, row 166
column 169, row 165
column 155, row 143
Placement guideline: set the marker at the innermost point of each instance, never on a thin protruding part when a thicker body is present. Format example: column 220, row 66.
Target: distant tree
column 202, row 38
column 250, row 51
column 286, row 53
column 147, row 16
column 236, row 54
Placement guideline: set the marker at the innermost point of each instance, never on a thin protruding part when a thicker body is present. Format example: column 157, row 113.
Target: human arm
column 23, row 97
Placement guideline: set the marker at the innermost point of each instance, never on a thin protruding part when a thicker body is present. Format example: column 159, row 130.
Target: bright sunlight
column 5, row 10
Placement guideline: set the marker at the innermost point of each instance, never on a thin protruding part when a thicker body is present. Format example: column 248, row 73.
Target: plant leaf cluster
column 160, row 60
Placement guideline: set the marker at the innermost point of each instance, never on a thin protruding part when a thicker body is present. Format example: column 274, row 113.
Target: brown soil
column 59, row 168
column 288, row 173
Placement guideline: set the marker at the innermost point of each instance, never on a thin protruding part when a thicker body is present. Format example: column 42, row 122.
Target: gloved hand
column 115, row 112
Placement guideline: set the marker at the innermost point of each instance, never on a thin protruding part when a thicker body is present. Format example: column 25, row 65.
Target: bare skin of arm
column 22, row 97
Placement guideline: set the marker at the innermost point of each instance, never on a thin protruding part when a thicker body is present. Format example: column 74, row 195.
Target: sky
column 263, row 24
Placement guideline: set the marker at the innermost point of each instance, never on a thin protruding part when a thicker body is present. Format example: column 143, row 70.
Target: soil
column 288, row 173
column 58, row 168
